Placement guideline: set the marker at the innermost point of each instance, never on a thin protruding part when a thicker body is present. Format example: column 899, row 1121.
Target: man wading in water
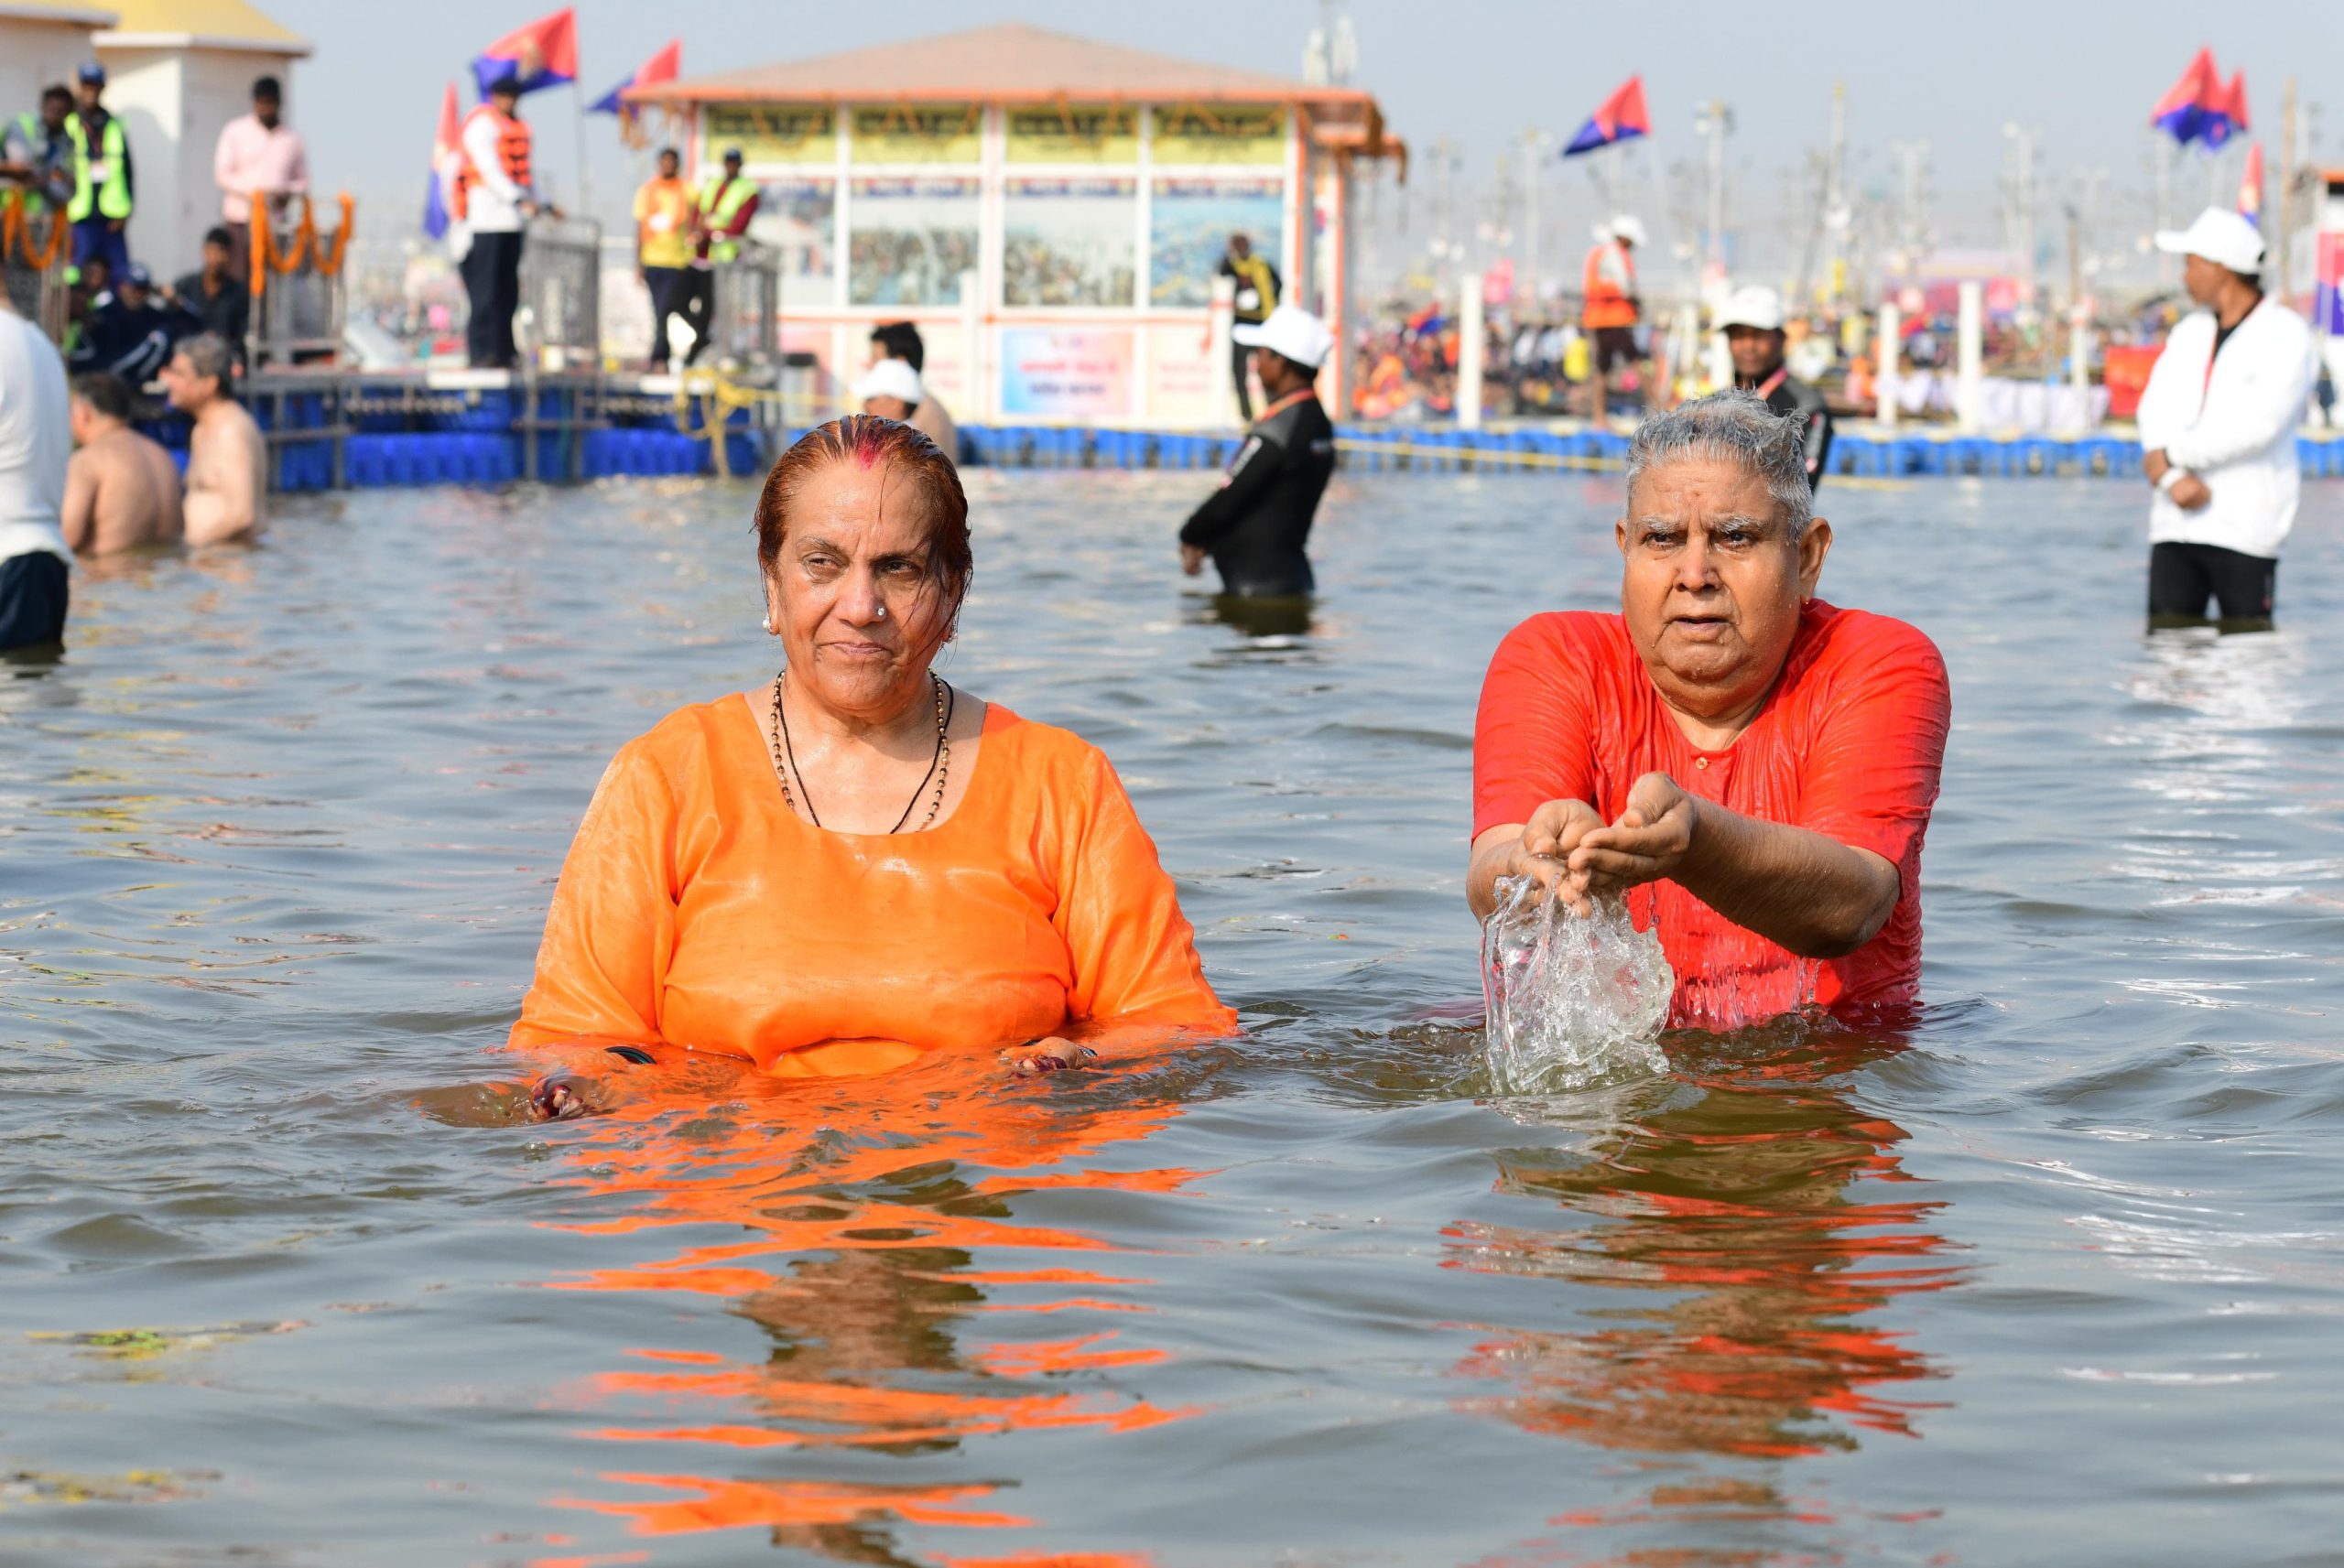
column 1752, row 767
column 2218, row 433
column 1255, row 525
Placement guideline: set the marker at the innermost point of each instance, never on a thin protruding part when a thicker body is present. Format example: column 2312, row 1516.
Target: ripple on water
column 2052, row 1261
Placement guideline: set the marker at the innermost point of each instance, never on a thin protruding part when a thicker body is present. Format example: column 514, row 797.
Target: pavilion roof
column 1008, row 63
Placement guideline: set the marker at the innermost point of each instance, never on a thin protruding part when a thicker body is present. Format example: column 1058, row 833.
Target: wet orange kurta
column 696, row 909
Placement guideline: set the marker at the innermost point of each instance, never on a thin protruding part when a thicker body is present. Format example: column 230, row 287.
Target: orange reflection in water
column 849, row 1219
column 1752, row 1219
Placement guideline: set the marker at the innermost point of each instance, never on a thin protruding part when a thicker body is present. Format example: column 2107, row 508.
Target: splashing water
column 1572, row 1000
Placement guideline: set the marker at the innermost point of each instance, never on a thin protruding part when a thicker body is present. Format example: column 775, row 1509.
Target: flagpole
column 578, row 118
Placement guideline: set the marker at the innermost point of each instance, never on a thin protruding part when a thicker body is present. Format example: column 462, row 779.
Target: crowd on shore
column 72, row 160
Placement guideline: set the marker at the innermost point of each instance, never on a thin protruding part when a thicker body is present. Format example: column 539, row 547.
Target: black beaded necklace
column 939, row 766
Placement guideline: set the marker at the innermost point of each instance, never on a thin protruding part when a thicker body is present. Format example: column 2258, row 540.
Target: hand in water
column 1648, row 842
column 567, row 1092
column 1051, row 1054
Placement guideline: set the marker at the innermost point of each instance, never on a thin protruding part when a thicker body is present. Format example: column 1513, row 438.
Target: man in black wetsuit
column 1753, row 320
column 1255, row 525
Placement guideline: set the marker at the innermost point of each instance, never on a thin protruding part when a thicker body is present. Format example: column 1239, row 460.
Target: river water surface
column 2054, row 1276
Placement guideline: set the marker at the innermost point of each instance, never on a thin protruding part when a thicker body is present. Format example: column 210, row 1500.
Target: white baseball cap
column 1753, row 305
column 2221, row 236
column 890, row 378
column 1292, row 332
column 1629, row 229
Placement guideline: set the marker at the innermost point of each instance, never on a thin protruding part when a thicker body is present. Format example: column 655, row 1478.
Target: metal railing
column 299, row 295
column 744, row 313
column 36, row 244
column 560, row 323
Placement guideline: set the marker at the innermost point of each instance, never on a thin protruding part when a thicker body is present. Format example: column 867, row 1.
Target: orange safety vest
column 1610, row 304
column 512, row 151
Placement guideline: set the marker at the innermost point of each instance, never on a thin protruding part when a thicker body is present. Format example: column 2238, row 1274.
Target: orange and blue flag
column 444, row 154
column 2201, row 106
column 543, row 54
column 1616, row 119
column 665, row 66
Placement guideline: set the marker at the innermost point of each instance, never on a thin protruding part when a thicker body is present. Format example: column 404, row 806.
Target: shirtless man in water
column 227, row 470
column 122, row 490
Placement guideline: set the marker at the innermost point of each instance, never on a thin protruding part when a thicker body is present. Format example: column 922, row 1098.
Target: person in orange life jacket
column 495, row 198
column 2218, row 433
column 1752, row 323
column 1255, row 525
column 1257, row 296
column 1611, row 309
column 720, row 217
column 664, row 221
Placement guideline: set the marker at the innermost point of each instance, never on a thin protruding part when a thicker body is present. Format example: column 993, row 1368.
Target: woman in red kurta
column 862, row 864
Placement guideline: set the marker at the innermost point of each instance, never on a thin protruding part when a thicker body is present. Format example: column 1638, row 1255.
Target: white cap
column 2221, row 236
column 1753, row 305
column 1626, row 228
column 1291, row 332
column 890, row 378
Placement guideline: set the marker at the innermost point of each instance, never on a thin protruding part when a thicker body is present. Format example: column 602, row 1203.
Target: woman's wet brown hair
column 869, row 441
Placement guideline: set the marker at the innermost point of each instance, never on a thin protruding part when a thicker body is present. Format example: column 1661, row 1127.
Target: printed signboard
column 1067, row 372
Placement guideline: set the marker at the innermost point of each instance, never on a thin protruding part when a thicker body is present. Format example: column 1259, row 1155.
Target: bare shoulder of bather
column 121, row 492
column 227, row 491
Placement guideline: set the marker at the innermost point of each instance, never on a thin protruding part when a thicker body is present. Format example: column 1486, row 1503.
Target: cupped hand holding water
column 1650, row 840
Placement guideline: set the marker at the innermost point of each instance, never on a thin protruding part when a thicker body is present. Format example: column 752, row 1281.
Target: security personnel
column 727, row 203
column 103, row 190
column 1752, row 323
column 495, row 198
column 1610, row 313
column 36, row 156
column 1257, row 296
column 665, row 219
column 1255, row 525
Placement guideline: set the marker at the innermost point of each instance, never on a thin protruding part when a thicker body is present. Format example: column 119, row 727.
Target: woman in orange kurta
column 860, row 865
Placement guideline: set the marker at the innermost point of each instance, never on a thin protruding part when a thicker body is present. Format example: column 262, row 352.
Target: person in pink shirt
column 258, row 151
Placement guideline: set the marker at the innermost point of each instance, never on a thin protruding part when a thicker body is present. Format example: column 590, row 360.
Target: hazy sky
column 1471, row 70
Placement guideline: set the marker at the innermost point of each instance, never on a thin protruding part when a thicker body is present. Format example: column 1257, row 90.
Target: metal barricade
column 744, row 313
column 561, row 320
column 35, row 246
column 299, row 294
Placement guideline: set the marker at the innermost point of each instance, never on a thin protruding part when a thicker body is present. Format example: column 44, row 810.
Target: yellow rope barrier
column 718, row 396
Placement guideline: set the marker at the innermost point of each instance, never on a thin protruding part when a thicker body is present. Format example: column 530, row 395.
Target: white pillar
column 977, row 393
column 1968, row 398
column 2080, row 364
column 1471, row 331
column 1888, row 377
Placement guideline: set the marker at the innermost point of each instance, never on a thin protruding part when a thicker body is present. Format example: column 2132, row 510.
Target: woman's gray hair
column 1734, row 427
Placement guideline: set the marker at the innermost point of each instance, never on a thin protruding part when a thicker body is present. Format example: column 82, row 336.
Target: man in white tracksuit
column 2218, row 433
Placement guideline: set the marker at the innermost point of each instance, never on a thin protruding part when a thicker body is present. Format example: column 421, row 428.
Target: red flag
column 1616, row 119
column 543, row 54
column 444, row 154
column 665, row 66
column 2181, row 112
column 2249, row 186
